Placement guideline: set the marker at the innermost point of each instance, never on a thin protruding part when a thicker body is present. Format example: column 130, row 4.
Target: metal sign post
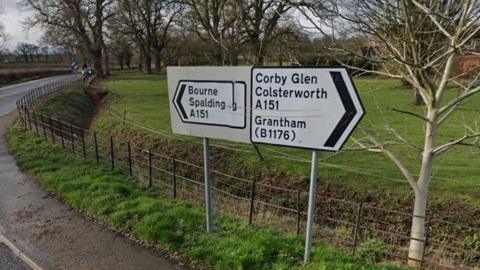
column 208, row 184
column 314, row 108
column 311, row 206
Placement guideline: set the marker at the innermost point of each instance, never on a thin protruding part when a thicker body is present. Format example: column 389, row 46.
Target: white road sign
column 315, row 108
column 210, row 102
column 217, row 103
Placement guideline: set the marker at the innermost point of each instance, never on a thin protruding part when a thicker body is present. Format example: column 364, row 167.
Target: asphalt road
column 10, row 94
column 45, row 230
column 8, row 260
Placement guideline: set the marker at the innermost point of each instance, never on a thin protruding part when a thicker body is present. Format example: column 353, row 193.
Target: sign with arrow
column 210, row 102
column 216, row 103
column 315, row 108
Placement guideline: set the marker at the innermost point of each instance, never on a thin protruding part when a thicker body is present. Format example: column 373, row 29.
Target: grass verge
column 172, row 226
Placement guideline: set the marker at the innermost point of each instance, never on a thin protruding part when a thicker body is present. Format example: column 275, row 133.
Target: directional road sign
column 210, row 102
column 315, row 108
column 216, row 103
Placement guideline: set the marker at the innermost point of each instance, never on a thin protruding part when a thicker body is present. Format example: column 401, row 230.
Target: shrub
column 372, row 250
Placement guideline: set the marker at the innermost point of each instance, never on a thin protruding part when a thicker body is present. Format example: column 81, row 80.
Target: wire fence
column 365, row 230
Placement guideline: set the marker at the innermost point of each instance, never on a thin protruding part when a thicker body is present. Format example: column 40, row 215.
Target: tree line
column 178, row 32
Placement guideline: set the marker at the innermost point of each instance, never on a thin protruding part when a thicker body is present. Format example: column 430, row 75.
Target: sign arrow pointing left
column 216, row 103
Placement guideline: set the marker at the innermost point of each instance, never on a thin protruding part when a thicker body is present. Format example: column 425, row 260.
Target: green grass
column 170, row 225
column 72, row 107
column 456, row 175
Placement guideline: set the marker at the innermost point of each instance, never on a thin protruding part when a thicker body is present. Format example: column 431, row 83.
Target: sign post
column 315, row 108
column 311, row 205
column 208, row 183
column 205, row 106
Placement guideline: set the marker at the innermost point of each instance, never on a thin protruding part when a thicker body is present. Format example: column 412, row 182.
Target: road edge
column 19, row 253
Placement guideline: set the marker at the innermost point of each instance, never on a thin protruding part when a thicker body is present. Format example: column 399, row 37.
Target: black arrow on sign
column 350, row 110
column 178, row 101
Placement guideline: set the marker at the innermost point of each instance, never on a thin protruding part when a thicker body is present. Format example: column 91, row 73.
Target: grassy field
column 18, row 72
column 144, row 100
column 171, row 226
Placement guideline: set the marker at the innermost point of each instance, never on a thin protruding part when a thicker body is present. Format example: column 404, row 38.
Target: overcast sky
column 11, row 17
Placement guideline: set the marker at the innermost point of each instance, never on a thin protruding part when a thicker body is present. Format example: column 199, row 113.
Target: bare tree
column 260, row 20
column 211, row 20
column 84, row 18
column 3, row 37
column 67, row 41
column 148, row 22
column 414, row 40
column 24, row 50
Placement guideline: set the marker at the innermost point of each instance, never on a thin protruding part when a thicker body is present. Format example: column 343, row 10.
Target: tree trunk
column 219, row 56
column 158, row 61
column 97, row 64
column 107, row 63
column 418, row 234
column 418, row 230
column 140, row 60
column 148, row 62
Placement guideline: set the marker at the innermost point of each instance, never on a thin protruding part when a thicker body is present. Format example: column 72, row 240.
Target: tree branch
column 396, row 160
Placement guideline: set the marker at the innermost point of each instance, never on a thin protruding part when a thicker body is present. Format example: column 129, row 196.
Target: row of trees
column 215, row 31
column 413, row 40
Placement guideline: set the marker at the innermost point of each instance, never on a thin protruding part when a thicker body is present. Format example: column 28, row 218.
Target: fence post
column 72, row 138
column 96, row 147
column 150, row 176
column 84, row 149
column 298, row 213
column 25, row 117
column 174, row 163
column 130, row 159
column 51, row 128
column 35, row 121
column 44, row 128
column 112, row 155
column 60, row 128
column 252, row 201
column 357, row 227
column 28, row 117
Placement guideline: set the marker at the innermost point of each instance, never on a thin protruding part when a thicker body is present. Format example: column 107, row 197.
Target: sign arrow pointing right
column 350, row 110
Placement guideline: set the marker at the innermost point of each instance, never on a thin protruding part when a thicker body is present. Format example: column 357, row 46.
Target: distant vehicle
column 73, row 66
column 87, row 72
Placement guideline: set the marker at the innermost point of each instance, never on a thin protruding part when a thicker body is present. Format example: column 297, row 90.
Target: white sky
column 11, row 17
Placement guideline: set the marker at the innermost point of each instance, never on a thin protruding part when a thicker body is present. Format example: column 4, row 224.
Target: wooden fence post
column 129, row 159
column 72, row 137
column 96, row 147
column 35, row 121
column 25, row 117
column 252, row 201
column 112, row 155
column 150, row 173
column 174, row 164
column 51, row 128
column 28, row 117
column 84, row 149
column 357, row 227
column 60, row 128
column 44, row 127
